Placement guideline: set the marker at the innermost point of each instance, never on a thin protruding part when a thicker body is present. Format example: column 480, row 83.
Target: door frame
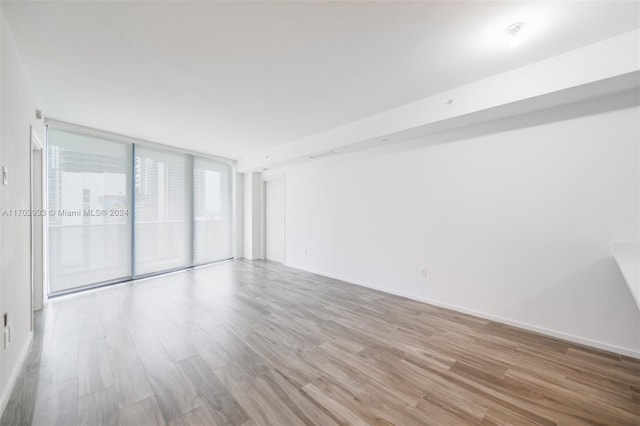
column 263, row 216
column 36, row 145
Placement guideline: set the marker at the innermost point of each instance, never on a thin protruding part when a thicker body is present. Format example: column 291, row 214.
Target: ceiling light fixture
column 514, row 31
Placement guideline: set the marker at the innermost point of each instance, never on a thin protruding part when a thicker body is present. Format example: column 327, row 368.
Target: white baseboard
column 529, row 327
column 16, row 370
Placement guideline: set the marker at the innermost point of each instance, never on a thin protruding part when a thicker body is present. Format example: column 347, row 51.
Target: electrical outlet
column 423, row 272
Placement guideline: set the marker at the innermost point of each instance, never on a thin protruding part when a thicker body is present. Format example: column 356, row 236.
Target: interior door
column 275, row 220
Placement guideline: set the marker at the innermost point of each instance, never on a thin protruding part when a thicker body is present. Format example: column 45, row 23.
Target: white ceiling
column 229, row 78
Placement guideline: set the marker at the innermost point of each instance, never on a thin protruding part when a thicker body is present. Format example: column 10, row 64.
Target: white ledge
column 627, row 256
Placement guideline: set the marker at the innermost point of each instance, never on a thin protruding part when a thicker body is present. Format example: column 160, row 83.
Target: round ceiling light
column 514, row 31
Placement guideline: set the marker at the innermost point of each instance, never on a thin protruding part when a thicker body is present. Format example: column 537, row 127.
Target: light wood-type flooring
column 253, row 343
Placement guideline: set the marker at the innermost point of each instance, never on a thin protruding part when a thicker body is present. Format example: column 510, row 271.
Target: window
column 87, row 177
column 163, row 223
column 212, row 211
column 106, row 196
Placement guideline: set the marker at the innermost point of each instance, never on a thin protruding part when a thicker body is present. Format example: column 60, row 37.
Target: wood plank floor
column 252, row 343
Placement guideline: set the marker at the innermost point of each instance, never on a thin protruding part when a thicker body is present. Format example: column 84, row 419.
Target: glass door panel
column 163, row 213
column 89, row 210
column 212, row 211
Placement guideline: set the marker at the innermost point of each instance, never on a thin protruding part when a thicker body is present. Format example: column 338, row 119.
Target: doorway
column 37, row 224
column 275, row 219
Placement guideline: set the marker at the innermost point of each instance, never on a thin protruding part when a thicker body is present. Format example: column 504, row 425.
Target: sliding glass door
column 212, row 211
column 163, row 213
column 89, row 215
column 119, row 210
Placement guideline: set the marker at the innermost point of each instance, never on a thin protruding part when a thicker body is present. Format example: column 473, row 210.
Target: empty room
column 319, row 213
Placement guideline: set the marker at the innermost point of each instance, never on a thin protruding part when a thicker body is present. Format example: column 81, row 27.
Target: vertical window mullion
column 190, row 213
column 132, row 208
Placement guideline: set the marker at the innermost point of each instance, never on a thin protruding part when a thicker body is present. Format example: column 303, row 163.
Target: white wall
column 252, row 205
column 238, row 251
column 514, row 220
column 17, row 113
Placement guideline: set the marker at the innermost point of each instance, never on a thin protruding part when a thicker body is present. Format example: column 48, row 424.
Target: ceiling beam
column 602, row 68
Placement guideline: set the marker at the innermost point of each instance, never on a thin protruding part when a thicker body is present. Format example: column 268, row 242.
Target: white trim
column 263, row 215
column 234, row 214
column 16, row 370
column 263, row 220
column 34, row 135
column 36, row 145
column 45, row 224
column 518, row 324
